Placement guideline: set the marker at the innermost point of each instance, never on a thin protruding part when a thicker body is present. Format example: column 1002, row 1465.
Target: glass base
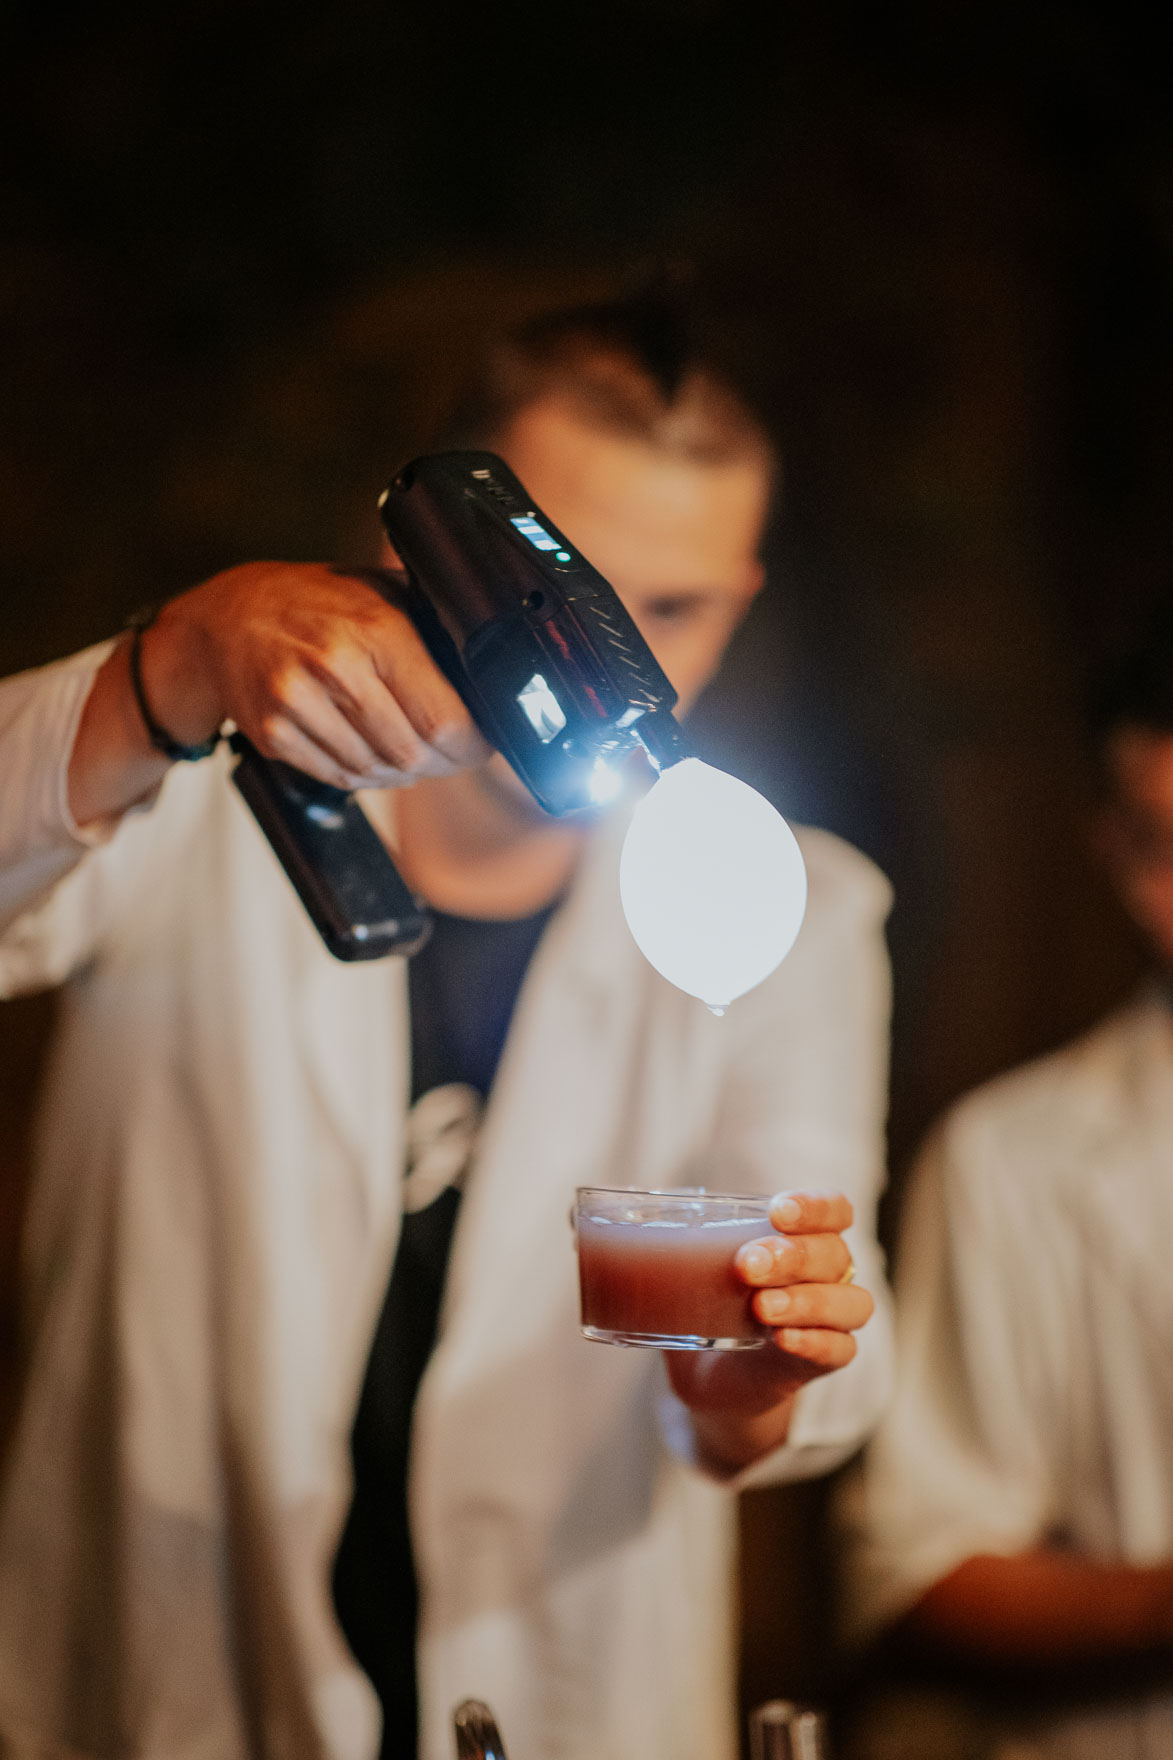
column 671, row 1341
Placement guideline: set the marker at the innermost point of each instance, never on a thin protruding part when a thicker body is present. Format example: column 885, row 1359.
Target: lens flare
column 712, row 882
column 604, row 783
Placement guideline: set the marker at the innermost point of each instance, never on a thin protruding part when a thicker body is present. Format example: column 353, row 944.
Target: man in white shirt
column 1016, row 1512
column 220, row 1183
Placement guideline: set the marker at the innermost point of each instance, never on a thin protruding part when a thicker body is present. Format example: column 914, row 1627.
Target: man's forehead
column 630, row 486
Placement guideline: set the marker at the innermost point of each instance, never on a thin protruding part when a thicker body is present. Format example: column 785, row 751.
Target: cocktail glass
column 656, row 1268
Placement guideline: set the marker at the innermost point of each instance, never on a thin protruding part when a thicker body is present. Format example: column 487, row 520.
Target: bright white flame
column 604, row 784
column 712, row 882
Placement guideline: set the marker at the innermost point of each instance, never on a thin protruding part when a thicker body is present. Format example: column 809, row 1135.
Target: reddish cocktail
column 656, row 1268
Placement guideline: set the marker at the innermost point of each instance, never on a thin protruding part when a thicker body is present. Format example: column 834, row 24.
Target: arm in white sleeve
column 41, row 845
column 961, row 1464
column 39, row 716
column 804, row 1107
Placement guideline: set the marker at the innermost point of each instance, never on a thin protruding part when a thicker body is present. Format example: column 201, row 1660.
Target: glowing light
column 538, row 536
column 604, row 784
column 542, row 709
column 712, row 882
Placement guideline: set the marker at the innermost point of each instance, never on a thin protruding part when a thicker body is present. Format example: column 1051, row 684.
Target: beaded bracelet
column 162, row 741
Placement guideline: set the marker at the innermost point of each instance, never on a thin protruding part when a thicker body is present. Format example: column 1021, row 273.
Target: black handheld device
column 542, row 651
column 338, row 863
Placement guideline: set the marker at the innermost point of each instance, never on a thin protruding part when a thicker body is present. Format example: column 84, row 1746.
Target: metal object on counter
column 477, row 1735
column 782, row 1730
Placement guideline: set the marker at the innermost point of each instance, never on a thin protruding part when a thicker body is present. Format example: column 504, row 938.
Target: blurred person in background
column 305, row 1382
column 1014, row 1521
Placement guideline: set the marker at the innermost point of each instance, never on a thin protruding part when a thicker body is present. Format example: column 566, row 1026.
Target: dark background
column 245, row 249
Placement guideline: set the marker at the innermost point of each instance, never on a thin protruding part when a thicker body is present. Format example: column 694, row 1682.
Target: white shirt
column 212, row 1226
column 1034, row 1396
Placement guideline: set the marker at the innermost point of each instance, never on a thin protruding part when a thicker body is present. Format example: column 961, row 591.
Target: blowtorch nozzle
column 662, row 738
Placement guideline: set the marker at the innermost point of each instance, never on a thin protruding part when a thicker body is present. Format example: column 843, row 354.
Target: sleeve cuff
column 83, row 669
column 79, row 674
column 806, row 1454
column 40, row 841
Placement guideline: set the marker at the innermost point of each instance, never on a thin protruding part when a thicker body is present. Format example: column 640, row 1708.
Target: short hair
column 1133, row 685
column 630, row 366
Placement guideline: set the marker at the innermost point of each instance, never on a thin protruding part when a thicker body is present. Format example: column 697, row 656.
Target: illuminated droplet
column 712, row 882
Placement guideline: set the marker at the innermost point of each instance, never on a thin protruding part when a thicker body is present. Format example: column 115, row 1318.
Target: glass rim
column 692, row 1193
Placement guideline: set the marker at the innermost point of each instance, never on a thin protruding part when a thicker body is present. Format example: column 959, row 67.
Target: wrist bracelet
column 158, row 736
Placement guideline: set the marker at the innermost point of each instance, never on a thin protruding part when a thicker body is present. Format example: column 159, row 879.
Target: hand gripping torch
column 540, row 648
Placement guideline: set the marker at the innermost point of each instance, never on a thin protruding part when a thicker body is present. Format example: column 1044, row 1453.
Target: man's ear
column 756, row 580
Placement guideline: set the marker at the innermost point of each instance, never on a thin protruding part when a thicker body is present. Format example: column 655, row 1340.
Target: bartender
column 298, row 1246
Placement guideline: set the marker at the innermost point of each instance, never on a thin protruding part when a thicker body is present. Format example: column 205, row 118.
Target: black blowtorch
column 543, row 653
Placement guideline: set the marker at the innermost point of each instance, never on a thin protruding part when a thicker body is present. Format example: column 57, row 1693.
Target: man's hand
column 312, row 664
column 741, row 1401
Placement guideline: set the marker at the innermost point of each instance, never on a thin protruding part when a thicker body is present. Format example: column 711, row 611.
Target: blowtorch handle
column 337, row 863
